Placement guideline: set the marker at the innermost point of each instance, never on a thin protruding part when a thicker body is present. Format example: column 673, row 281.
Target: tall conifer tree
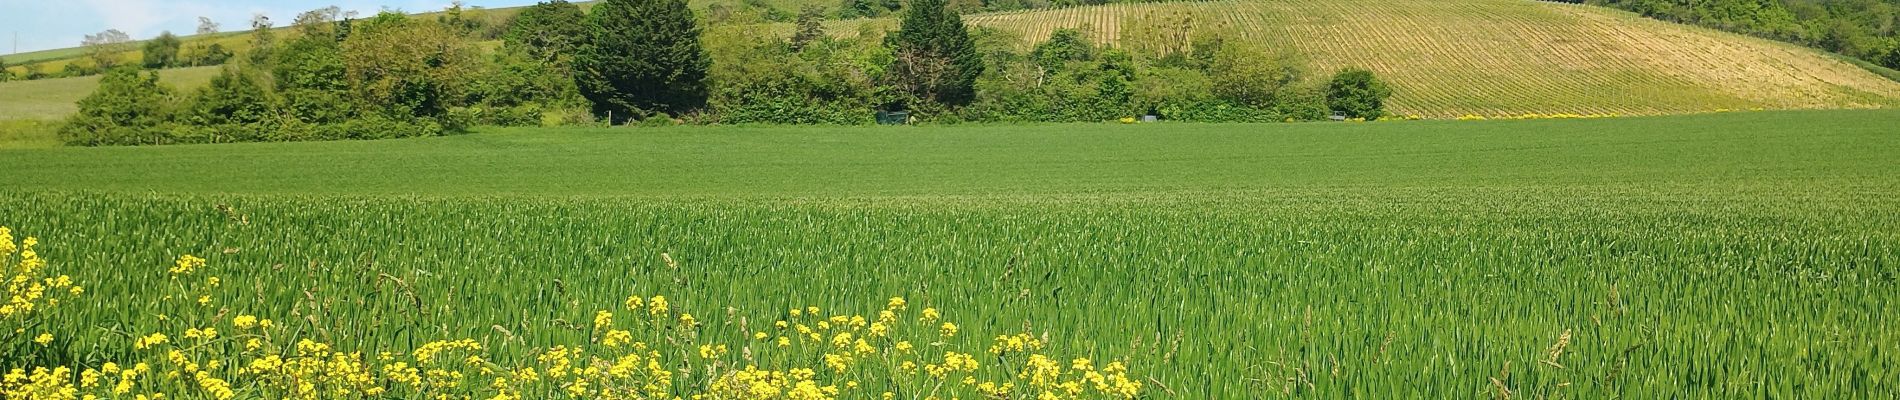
column 642, row 56
column 936, row 60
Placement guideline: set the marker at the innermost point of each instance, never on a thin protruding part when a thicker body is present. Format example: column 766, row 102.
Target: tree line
column 334, row 76
column 1863, row 29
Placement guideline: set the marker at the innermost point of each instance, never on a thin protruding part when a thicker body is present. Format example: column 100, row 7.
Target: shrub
column 1250, row 75
column 1215, row 110
column 407, row 68
column 129, row 107
column 1063, row 46
column 162, row 52
column 1356, row 93
column 205, row 55
column 1892, row 58
column 233, row 97
column 1170, row 87
column 762, row 80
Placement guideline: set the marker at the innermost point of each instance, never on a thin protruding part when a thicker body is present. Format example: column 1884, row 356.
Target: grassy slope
column 1812, row 147
column 1509, row 57
column 1402, row 260
column 56, row 98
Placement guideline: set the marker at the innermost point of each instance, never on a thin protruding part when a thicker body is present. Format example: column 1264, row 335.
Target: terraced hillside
column 1511, row 57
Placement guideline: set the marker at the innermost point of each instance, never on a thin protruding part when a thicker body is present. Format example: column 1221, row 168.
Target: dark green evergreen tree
column 935, row 58
column 642, row 57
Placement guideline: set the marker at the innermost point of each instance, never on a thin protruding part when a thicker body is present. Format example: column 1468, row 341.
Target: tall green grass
column 28, row 134
column 1721, row 256
column 1332, row 293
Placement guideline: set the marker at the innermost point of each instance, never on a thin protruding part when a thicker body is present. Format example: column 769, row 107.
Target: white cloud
column 138, row 18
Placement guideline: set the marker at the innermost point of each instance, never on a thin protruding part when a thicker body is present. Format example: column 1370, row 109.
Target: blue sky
column 52, row 24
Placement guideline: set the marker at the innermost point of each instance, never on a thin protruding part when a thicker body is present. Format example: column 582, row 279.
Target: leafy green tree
column 263, row 41
column 406, row 68
column 643, row 56
column 759, row 79
column 1357, row 93
column 1251, row 75
column 311, row 77
column 203, row 55
column 548, row 31
column 936, row 59
column 234, row 107
column 5, row 74
column 233, row 98
column 107, row 48
column 162, row 52
column 129, row 107
column 206, row 26
column 1063, row 46
column 1892, row 59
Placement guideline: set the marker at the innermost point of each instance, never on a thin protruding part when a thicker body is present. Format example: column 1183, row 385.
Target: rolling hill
column 1512, row 57
column 57, row 98
column 1490, row 58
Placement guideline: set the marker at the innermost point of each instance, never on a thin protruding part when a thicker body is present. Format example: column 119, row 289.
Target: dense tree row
column 333, row 76
column 1864, row 29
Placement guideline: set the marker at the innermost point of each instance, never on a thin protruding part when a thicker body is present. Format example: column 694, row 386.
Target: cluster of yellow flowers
column 28, row 292
column 644, row 351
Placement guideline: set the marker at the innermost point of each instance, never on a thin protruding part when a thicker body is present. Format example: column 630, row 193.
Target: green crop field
column 1734, row 255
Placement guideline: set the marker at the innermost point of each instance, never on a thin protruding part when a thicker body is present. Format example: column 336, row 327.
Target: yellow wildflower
column 603, row 320
column 244, row 321
column 657, row 306
column 149, row 341
column 187, row 264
